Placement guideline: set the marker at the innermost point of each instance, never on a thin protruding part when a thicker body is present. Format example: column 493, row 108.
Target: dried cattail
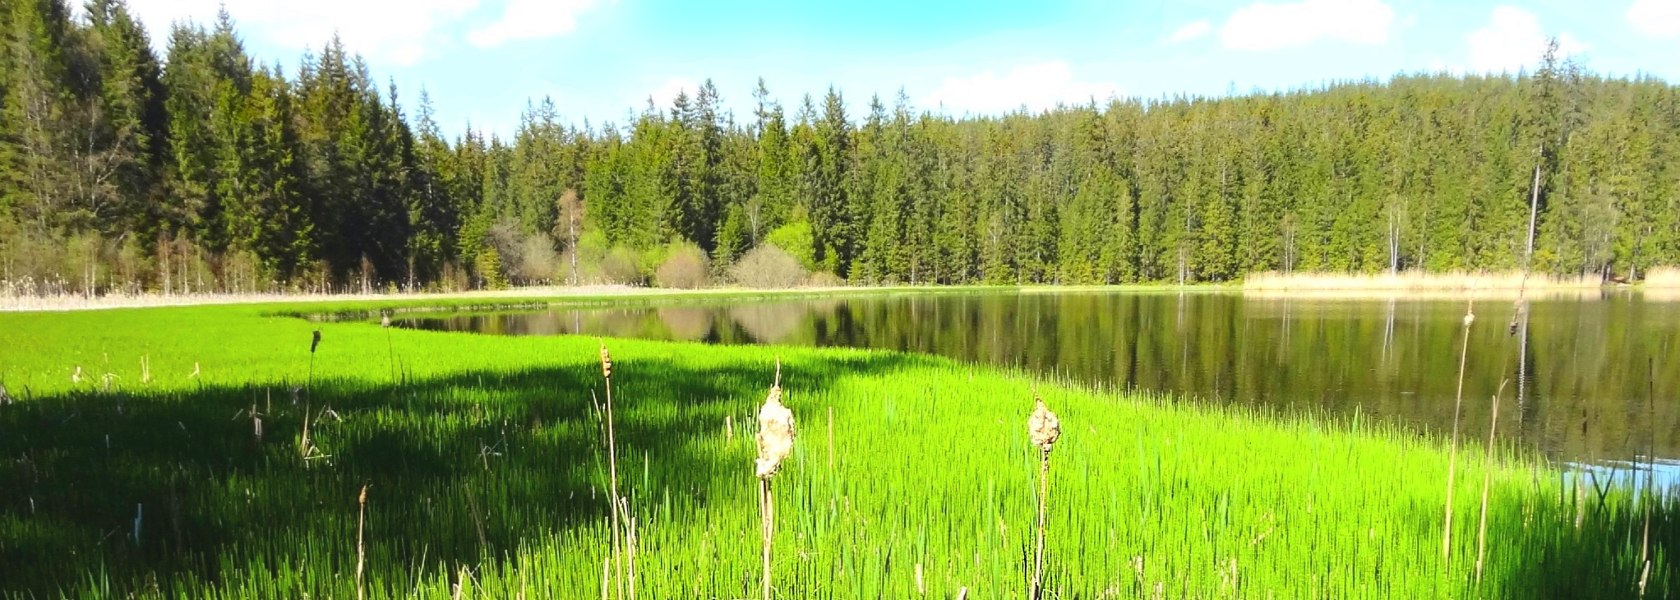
column 1044, row 429
column 606, row 363
column 775, row 433
column 361, row 549
column 775, row 442
column 385, row 320
column 1043, row 426
column 314, row 341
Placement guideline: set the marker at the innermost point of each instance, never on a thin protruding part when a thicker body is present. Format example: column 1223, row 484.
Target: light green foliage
column 483, row 454
column 795, row 239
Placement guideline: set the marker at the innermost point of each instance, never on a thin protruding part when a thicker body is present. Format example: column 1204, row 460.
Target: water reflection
column 1589, row 377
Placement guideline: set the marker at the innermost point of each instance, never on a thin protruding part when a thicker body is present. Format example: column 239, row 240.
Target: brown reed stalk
column 308, row 391
column 1487, row 481
column 361, row 550
column 1452, row 461
column 775, row 443
column 612, row 470
column 1044, row 429
column 1650, row 472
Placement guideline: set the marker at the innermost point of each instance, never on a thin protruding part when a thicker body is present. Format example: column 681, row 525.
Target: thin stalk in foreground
column 612, row 470
column 1452, row 461
column 361, row 549
column 775, row 443
column 308, row 392
column 1044, row 429
column 1487, row 481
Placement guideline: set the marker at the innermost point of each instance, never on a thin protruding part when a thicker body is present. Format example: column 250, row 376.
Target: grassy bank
column 485, row 472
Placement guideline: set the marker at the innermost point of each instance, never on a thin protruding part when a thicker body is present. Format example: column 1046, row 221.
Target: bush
column 767, row 267
column 621, row 266
column 537, row 261
column 684, row 267
column 824, row 279
column 795, row 239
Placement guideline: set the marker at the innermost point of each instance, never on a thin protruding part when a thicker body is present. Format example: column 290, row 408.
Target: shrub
column 824, row 279
column 684, row 267
column 768, row 266
column 795, row 239
column 537, row 261
column 621, row 266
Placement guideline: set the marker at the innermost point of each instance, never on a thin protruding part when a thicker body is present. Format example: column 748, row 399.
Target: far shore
column 1661, row 285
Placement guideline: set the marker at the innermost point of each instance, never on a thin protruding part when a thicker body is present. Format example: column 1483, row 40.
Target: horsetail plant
column 1044, row 429
column 775, row 442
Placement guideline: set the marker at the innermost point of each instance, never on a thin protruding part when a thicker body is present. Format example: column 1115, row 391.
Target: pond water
column 1590, row 377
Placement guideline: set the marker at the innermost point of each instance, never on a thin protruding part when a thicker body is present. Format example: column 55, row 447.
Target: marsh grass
column 1154, row 498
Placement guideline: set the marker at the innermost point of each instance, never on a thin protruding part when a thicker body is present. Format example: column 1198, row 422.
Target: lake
column 1590, row 377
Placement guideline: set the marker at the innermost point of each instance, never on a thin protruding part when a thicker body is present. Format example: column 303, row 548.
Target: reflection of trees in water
column 776, row 322
column 687, row 323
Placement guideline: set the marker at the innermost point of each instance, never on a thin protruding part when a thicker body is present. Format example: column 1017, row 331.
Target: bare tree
column 570, row 209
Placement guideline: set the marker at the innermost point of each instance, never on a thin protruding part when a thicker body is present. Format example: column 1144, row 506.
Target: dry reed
column 1044, row 429
column 1452, row 460
column 1411, row 281
column 304, row 445
column 615, row 513
column 775, row 443
column 361, row 549
column 1663, row 277
column 1487, row 482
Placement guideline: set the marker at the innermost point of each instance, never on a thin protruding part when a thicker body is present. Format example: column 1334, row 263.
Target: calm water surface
column 1591, row 378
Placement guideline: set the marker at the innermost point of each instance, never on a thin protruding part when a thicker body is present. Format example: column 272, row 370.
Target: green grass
column 484, row 459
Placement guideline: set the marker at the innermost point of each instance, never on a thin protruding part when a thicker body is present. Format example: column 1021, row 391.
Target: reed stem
column 1452, row 461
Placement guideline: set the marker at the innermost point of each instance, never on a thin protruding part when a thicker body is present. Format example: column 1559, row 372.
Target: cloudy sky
column 482, row 60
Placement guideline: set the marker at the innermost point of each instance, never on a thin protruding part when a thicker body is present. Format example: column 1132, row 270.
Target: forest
column 198, row 167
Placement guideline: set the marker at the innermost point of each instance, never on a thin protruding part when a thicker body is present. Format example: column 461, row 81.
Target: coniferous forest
column 199, row 167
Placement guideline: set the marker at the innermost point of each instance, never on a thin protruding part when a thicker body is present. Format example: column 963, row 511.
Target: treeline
column 203, row 169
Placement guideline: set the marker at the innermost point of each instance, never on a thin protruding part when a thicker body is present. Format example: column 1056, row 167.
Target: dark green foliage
column 211, row 171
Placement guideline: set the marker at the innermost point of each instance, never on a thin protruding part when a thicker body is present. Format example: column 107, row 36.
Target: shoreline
column 1306, row 286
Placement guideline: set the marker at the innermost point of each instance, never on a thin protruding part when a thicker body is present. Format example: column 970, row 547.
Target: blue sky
column 482, row 60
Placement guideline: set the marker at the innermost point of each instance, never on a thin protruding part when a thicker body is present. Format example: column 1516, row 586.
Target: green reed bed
column 487, row 477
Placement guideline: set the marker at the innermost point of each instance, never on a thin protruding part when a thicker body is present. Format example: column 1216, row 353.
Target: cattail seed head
column 606, row 363
column 385, row 320
column 1043, row 426
column 314, row 341
column 775, row 433
column 362, row 499
column 1469, row 318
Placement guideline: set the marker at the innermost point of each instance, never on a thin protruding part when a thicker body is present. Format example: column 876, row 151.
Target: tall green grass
column 487, row 477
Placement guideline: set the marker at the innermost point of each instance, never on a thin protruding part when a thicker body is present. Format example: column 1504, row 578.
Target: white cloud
column 1190, row 32
column 1037, row 87
column 666, row 94
column 1512, row 40
column 1266, row 26
column 1655, row 18
column 388, row 31
column 531, row 19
